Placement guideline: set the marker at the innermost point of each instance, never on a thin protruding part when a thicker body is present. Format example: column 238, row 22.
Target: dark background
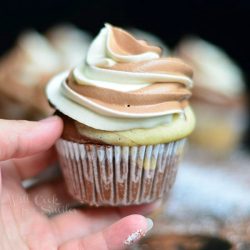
column 225, row 23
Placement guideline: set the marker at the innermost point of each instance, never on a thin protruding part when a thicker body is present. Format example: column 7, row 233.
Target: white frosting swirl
column 95, row 72
column 91, row 118
column 107, row 111
column 100, row 55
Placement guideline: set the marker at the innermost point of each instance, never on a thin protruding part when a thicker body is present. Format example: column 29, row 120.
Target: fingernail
column 49, row 119
column 150, row 224
column 137, row 235
column 134, row 237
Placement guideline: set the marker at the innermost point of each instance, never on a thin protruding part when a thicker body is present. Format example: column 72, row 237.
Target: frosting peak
column 122, row 43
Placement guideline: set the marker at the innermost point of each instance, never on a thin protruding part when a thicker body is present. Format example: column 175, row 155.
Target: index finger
column 24, row 138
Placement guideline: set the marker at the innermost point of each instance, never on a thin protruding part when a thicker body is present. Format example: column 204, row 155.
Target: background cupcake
column 24, row 70
column 218, row 96
column 126, row 114
column 70, row 42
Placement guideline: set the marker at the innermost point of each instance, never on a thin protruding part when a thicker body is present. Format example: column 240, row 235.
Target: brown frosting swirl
column 161, row 95
column 149, row 99
column 124, row 43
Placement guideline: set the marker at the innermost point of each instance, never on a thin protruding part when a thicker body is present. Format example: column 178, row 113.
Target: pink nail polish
column 137, row 235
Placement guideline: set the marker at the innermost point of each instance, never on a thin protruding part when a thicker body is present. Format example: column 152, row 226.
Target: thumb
column 24, row 138
column 118, row 236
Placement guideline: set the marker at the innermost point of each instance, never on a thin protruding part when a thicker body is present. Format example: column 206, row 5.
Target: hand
column 26, row 149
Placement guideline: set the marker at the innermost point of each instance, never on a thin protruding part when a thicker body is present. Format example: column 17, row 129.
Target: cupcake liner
column 103, row 175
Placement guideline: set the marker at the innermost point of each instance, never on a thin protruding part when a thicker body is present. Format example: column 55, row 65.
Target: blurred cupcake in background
column 150, row 38
column 218, row 96
column 23, row 72
column 26, row 68
column 70, row 42
column 10, row 109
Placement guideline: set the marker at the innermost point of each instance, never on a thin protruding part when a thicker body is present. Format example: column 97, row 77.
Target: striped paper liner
column 103, row 175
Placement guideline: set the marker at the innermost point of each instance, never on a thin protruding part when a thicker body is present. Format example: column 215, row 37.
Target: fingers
column 24, row 138
column 81, row 222
column 31, row 166
column 118, row 236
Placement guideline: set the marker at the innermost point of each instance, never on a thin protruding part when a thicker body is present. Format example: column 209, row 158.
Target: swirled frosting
column 126, row 84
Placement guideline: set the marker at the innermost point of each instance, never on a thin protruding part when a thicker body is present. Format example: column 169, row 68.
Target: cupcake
column 218, row 93
column 70, row 42
column 126, row 116
column 24, row 72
